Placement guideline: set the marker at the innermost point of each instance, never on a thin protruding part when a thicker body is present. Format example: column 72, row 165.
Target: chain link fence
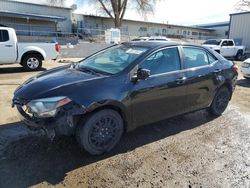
column 49, row 33
column 98, row 35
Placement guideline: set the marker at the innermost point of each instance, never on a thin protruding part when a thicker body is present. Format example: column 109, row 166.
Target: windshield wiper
column 90, row 70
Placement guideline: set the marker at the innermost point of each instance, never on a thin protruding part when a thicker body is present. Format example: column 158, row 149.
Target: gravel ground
column 193, row 150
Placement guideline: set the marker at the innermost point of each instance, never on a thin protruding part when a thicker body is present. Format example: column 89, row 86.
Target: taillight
column 57, row 47
column 235, row 68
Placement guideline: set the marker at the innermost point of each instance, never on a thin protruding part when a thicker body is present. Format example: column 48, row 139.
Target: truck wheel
column 220, row 102
column 100, row 132
column 32, row 62
column 239, row 55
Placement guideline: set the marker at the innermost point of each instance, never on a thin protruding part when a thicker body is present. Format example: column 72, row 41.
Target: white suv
column 245, row 68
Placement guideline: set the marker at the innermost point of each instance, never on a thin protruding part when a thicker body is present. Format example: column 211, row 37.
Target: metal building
column 221, row 28
column 91, row 24
column 239, row 28
column 35, row 18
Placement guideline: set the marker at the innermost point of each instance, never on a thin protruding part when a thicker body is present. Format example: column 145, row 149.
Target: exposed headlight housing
column 245, row 65
column 47, row 107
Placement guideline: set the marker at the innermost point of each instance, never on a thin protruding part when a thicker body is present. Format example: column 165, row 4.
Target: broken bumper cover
column 63, row 123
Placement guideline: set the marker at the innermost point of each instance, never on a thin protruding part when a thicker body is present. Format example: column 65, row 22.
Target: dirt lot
column 193, row 150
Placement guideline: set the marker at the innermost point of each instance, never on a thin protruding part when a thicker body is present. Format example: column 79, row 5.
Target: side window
column 230, row 43
column 195, row 57
column 4, row 35
column 163, row 61
column 224, row 43
column 211, row 58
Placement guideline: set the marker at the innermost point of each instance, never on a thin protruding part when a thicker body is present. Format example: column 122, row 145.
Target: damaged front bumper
column 64, row 122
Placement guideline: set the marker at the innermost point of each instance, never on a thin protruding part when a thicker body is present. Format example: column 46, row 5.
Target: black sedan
column 123, row 87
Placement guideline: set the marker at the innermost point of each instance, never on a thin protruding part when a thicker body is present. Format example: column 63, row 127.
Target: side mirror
column 142, row 74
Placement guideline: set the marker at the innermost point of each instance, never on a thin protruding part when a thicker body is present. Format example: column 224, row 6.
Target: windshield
column 112, row 60
column 213, row 42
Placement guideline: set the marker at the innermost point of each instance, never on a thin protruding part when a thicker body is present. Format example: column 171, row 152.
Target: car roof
column 158, row 44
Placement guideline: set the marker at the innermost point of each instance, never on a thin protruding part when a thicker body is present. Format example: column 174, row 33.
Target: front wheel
column 239, row 55
column 32, row 62
column 220, row 101
column 101, row 132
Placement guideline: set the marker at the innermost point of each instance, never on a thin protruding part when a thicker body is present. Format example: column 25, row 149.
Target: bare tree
column 59, row 3
column 116, row 9
column 243, row 5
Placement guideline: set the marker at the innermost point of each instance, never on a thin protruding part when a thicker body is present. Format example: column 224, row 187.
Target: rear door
column 8, row 53
column 202, row 73
column 163, row 94
column 231, row 49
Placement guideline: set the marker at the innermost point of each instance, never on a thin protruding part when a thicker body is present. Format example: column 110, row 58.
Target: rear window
column 4, row 35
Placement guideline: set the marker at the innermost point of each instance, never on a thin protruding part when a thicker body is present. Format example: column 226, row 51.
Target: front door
column 8, row 53
column 163, row 94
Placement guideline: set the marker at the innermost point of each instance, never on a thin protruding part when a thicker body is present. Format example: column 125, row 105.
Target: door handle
column 181, row 80
column 9, row 46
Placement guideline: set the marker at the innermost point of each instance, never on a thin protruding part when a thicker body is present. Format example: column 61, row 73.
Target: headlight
column 47, row 107
column 245, row 65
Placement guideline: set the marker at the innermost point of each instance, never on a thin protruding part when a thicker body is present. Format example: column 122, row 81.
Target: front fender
column 105, row 103
column 116, row 105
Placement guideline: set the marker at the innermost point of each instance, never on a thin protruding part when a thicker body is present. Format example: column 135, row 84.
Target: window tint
column 195, row 57
column 4, row 35
column 230, row 43
column 211, row 58
column 225, row 43
column 163, row 61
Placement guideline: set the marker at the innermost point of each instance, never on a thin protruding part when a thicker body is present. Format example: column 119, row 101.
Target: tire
column 32, row 62
column 239, row 55
column 247, row 78
column 220, row 101
column 100, row 132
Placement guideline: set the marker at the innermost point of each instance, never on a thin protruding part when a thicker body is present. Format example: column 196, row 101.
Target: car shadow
column 34, row 160
column 244, row 82
column 7, row 70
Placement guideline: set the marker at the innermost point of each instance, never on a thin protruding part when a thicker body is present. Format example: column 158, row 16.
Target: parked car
column 226, row 47
column 245, row 68
column 158, row 38
column 124, row 87
column 140, row 39
column 29, row 55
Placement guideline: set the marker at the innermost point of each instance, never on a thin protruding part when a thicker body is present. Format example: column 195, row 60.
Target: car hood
column 52, row 81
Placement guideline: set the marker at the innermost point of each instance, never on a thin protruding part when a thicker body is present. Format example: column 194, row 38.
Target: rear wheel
column 32, row 62
column 220, row 101
column 239, row 55
column 101, row 132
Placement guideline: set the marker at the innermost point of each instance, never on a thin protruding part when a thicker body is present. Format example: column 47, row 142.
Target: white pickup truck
column 226, row 47
column 29, row 55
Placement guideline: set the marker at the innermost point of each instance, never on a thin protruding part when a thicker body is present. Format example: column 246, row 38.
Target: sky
column 182, row 12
